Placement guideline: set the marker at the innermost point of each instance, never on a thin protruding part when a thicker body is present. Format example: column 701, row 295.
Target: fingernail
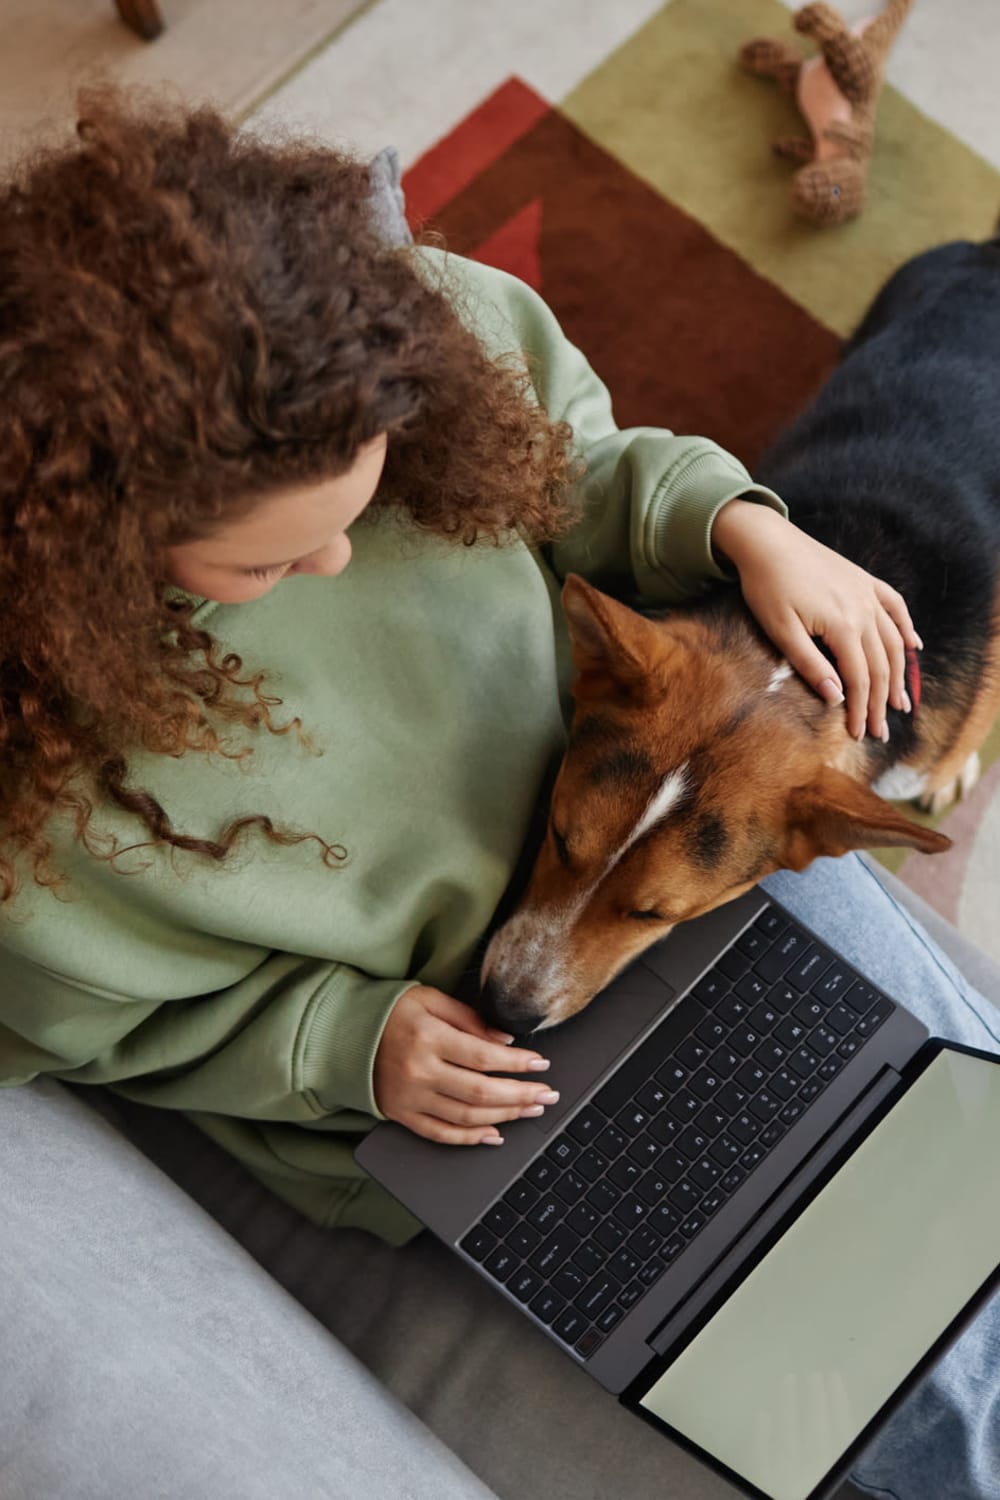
column 532, row 1112
column 549, row 1097
column 831, row 690
column 884, row 733
column 920, row 644
column 505, row 1037
column 860, row 733
column 539, row 1064
column 491, row 1140
column 907, row 705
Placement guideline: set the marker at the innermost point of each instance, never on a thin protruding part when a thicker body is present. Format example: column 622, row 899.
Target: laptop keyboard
column 634, row 1176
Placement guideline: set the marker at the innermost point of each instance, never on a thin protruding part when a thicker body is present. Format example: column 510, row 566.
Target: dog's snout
column 500, row 1008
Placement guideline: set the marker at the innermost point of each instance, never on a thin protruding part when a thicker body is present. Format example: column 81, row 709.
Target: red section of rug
column 684, row 333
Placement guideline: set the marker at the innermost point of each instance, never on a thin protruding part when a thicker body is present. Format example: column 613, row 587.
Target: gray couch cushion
column 145, row 1354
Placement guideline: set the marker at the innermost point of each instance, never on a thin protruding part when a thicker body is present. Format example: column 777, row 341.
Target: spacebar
column 625, row 1082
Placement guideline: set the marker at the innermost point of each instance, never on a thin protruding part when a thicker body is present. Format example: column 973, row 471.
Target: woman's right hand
column 431, row 1071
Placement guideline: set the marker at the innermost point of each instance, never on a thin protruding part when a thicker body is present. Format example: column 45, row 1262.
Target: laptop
column 764, row 1205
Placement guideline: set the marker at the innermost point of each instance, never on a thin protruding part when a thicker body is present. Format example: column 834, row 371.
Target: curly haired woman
column 284, row 510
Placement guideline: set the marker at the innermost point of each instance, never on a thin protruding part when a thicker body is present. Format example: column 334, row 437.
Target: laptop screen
column 801, row 1357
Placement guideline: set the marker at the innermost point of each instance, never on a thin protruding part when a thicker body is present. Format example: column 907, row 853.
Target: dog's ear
column 613, row 647
column 835, row 813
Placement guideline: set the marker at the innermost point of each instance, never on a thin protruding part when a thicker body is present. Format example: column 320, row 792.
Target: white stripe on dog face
column 671, row 790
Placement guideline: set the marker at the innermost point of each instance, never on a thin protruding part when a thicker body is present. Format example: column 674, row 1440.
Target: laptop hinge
column 839, row 1134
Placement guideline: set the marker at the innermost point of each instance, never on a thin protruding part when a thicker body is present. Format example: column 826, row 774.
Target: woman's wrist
column 739, row 525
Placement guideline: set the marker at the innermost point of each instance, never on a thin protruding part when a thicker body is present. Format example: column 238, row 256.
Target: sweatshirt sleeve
column 292, row 1041
column 647, row 497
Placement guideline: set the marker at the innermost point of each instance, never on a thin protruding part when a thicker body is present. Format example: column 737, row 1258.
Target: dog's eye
column 560, row 843
column 648, row 916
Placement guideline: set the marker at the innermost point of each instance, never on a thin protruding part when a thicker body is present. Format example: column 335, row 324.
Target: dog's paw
column 943, row 797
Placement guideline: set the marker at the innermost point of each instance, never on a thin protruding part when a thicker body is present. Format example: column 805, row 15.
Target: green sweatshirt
column 433, row 681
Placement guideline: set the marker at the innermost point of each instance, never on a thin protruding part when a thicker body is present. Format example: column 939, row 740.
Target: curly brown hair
column 190, row 319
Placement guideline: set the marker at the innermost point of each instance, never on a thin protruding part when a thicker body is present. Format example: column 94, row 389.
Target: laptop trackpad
column 585, row 1046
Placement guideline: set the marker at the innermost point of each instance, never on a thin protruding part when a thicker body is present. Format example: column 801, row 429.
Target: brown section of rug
column 683, row 332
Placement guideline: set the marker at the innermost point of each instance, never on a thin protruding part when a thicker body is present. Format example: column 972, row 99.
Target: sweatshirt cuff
column 344, row 1031
column 672, row 556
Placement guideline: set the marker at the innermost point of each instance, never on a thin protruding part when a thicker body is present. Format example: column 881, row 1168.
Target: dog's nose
column 499, row 1008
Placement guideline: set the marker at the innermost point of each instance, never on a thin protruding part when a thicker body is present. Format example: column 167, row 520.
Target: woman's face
column 301, row 530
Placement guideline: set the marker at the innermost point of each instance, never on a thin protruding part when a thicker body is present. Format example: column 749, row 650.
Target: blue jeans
column 944, row 1443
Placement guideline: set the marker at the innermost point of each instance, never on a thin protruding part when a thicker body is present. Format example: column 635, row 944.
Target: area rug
column 648, row 211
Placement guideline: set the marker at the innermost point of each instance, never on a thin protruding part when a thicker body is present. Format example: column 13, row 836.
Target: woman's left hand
column 797, row 588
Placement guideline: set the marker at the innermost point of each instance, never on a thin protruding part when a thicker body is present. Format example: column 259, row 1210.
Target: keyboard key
column 609, row 1317
column 809, row 1090
column 570, row 1281
column 652, row 1271
column 834, row 983
column 570, row 1187
column 771, row 923
column 632, row 1119
column 624, row 1265
column 583, row 1218
column 589, row 1257
column 672, row 1165
column 592, row 1164
column 861, row 997
column 880, row 1011
column 597, row 1294
column 732, row 1010
column 745, row 1040
column 502, row 1263
column 662, row 1220
column 586, row 1125
column 672, row 1249
column 547, row 1305
column 753, row 942
column 611, row 1141
column 684, row 1196
column 733, row 964
column 712, row 1121
column 841, row 1019
column 553, row 1251
column 784, row 953
column 629, row 1295
column 771, row 1054
column 604, row 1196
column 685, row 1105
column 743, row 1128
column 522, row 1239
column 705, row 1083
column 588, row 1342
column 630, row 1211
column 563, row 1150
column 520, row 1196
column 764, row 1017
column 546, row 1213
column 712, row 1202
column 726, row 1151
column 692, row 1143
column 692, row 1225
column 803, row 1062
column 705, row 1173
column 753, row 1156
column 610, row 1235
column 791, row 1032
column 822, row 1040
column 782, row 997
column 710, row 988
column 652, row 1188
column 764, row 1105
column 810, row 964
column 646, row 1150
column 652, row 1097
column 732, row 1180
column 625, row 1173
column 665, row 1129
column 570, row 1325
column 772, row 1135
column 731, row 1099
column 751, row 988
column 542, row 1173
column 643, row 1242
column 791, row 1111
column 673, row 1075
column 712, row 1030
column 478, row 1243
column 752, row 1076
column 499, row 1219
column 724, row 1061
column 849, row 1046
column 809, row 1010
column 830, row 1067
column 524, row 1284
column 692, row 1053
column 784, row 1084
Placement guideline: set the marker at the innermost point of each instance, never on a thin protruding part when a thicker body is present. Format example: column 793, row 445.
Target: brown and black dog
column 698, row 762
